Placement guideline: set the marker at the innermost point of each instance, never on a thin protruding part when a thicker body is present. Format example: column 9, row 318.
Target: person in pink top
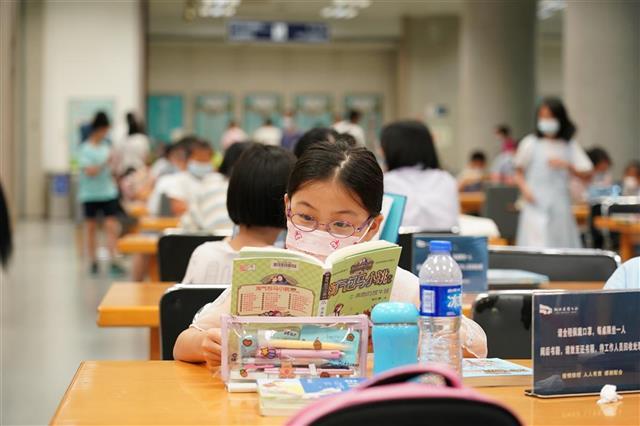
column 232, row 135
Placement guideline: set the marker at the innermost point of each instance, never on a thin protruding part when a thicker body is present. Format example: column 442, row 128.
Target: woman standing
column 545, row 162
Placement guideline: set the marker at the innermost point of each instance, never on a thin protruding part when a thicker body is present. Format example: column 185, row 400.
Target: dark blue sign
column 278, row 32
column 470, row 253
column 60, row 184
column 585, row 340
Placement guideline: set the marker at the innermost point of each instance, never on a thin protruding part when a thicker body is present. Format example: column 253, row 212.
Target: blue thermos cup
column 395, row 335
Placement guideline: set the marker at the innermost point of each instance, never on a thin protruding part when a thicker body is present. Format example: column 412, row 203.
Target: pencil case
column 291, row 347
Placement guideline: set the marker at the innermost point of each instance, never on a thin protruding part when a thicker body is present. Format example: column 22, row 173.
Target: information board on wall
column 277, row 32
column 585, row 340
column 213, row 111
column 164, row 116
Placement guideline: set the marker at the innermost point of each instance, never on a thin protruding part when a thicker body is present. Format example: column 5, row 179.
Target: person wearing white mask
column 545, row 162
column 185, row 185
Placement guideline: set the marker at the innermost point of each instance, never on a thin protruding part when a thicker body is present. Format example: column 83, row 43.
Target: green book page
column 358, row 282
column 275, row 286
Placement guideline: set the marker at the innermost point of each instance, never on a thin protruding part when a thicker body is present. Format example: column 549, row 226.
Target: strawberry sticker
column 335, row 244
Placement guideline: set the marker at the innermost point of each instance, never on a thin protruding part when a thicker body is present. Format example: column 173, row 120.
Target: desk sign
column 585, row 340
column 278, row 32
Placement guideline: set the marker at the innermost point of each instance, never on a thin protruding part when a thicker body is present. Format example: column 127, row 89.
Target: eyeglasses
column 338, row 228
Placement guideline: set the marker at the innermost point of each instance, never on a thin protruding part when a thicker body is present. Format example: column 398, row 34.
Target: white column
column 497, row 71
column 428, row 64
column 602, row 75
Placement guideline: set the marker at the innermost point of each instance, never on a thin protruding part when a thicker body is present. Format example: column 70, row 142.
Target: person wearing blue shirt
column 97, row 190
column 626, row 276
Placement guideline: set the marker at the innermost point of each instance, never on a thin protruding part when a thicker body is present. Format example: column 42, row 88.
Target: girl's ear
column 373, row 229
column 286, row 201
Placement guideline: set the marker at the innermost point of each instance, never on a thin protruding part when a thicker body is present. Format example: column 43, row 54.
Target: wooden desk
column 158, row 224
column 170, row 392
column 134, row 305
column 142, row 244
column 138, row 244
column 628, row 230
column 581, row 213
column 471, row 202
column 137, row 210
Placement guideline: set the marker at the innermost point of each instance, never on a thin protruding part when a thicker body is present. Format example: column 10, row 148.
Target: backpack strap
column 404, row 374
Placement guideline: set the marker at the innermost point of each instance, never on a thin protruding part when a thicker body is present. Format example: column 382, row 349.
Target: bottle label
column 440, row 301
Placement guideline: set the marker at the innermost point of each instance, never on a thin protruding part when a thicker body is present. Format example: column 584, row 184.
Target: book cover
column 276, row 282
column 471, row 254
column 281, row 397
column 494, row 372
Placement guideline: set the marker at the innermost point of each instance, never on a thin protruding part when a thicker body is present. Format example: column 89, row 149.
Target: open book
column 277, row 282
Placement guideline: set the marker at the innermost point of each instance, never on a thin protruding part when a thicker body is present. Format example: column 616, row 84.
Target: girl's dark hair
column 258, row 182
column 317, row 134
column 135, row 126
column 100, row 121
column 408, row 144
column 567, row 128
column 598, row 155
column 231, row 156
column 354, row 167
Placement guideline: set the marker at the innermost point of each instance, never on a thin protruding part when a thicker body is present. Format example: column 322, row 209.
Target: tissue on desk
column 608, row 395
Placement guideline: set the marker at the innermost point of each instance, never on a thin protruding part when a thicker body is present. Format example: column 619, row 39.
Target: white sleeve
column 176, row 189
column 579, row 159
column 525, row 151
column 209, row 315
column 626, row 276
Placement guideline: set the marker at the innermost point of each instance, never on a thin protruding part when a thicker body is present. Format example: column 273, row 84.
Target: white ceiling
column 379, row 22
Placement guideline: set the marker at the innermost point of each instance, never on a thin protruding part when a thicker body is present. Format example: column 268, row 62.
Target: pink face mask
column 318, row 243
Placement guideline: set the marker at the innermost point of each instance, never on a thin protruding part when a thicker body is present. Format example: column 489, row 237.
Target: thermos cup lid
column 394, row 313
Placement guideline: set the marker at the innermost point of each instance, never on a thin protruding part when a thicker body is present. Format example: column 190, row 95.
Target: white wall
column 429, row 63
column 195, row 67
column 549, row 80
column 91, row 49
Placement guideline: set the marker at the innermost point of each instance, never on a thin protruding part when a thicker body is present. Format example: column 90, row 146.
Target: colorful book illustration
column 283, row 397
column 277, row 282
column 485, row 372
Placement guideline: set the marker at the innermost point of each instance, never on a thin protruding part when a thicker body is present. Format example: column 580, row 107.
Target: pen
column 272, row 353
column 305, row 344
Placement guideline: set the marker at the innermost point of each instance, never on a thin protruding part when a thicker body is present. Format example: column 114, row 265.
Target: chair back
column 505, row 317
column 499, row 206
column 174, row 252
column 390, row 227
column 557, row 264
column 621, row 205
column 178, row 306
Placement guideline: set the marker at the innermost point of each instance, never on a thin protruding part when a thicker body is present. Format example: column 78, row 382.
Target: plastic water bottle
column 440, row 307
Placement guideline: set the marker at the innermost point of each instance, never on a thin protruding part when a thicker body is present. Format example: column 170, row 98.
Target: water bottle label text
column 440, row 301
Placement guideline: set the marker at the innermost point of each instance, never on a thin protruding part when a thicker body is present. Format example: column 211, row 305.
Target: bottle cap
column 439, row 246
column 394, row 313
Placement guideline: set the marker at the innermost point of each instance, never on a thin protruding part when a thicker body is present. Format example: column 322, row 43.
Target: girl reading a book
column 334, row 199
